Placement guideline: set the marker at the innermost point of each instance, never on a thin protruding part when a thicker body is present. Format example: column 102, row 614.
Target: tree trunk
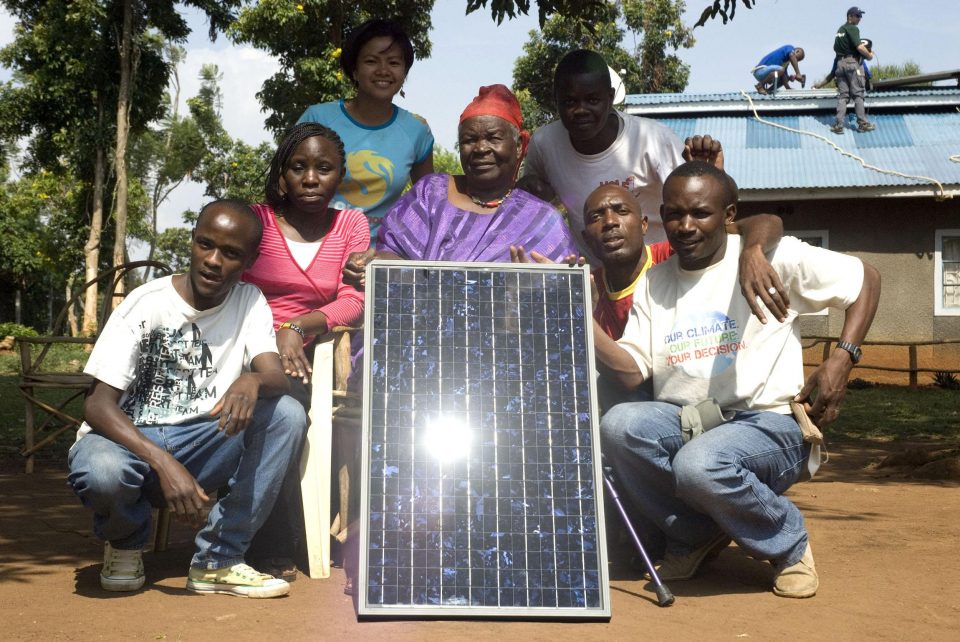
column 123, row 130
column 17, row 306
column 71, row 311
column 91, row 250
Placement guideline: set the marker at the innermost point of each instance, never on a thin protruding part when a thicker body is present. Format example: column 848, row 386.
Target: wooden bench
column 46, row 420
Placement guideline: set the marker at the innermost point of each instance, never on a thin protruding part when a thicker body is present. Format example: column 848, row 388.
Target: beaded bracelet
column 288, row 325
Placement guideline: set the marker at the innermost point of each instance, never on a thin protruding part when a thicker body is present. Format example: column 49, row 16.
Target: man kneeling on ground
column 189, row 395
column 694, row 335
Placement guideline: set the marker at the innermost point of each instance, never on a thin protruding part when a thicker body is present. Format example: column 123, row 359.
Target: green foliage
column 588, row 10
column 307, row 37
column 16, row 330
column 908, row 68
column 446, row 161
column 946, row 380
column 655, row 24
column 173, row 248
column 726, row 11
column 585, row 10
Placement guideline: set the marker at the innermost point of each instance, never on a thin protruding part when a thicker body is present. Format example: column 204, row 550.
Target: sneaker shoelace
column 124, row 562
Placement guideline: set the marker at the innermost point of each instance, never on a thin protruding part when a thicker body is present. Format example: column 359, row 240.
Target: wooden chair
column 334, row 432
column 35, row 378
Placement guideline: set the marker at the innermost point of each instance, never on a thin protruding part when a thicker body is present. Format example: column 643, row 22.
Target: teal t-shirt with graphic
column 379, row 158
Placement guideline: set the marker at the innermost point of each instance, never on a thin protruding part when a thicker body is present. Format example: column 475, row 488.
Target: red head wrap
column 498, row 100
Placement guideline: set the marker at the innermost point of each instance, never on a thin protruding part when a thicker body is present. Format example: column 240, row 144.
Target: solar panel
column 481, row 491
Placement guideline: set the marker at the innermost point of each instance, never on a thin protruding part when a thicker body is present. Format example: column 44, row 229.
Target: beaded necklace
column 497, row 202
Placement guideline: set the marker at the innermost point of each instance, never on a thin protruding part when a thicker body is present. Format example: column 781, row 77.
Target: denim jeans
column 120, row 487
column 731, row 478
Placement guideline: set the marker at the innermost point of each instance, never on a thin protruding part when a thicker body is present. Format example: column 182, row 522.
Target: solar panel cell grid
column 480, row 479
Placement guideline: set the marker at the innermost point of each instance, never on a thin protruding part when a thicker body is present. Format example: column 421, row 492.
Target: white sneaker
column 122, row 569
column 239, row 579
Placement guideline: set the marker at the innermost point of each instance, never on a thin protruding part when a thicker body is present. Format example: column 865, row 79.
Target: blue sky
column 471, row 51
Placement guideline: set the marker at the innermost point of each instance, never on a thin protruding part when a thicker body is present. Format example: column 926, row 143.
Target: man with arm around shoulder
column 696, row 337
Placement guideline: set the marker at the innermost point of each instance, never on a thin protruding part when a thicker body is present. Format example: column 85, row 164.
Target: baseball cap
column 855, row 11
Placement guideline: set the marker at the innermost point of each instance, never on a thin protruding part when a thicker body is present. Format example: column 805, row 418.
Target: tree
column 655, row 23
column 307, row 39
column 75, row 64
column 587, row 10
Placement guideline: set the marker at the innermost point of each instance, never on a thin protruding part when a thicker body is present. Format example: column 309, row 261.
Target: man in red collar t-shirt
column 614, row 229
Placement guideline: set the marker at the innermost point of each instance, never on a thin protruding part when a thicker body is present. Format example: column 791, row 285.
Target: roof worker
column 851, row 82
column 867, row 75
column 771, row 71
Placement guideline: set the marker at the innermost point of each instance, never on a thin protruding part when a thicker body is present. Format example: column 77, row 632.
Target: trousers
column 121, row 488
column 731, row 478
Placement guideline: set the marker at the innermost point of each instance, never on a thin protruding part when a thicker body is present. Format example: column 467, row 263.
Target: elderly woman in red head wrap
column 479, row 215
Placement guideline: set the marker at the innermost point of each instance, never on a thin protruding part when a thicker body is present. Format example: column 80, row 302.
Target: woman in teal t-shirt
column 386, row 145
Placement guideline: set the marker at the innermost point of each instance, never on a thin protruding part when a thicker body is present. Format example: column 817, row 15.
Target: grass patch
column 892, row 413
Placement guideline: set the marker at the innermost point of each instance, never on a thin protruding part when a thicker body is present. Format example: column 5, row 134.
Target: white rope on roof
column 940, row 197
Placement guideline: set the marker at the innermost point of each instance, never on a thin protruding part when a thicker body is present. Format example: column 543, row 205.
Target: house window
column 946, row 278
column 816, row 238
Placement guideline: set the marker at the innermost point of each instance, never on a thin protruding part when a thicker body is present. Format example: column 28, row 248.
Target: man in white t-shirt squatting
column 189, row 396
column 692, row 332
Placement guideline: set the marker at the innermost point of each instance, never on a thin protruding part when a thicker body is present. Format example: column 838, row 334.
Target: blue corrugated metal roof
column 763, row 157
column 781, row 96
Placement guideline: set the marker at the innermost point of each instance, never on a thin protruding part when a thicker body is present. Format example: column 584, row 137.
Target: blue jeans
column 121, row 488
column 731, row 478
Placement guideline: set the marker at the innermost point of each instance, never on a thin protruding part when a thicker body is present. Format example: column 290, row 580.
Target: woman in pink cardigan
column 305, row 245
column 299, row 270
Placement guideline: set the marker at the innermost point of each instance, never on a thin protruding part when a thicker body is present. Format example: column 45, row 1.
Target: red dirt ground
column 886, row 547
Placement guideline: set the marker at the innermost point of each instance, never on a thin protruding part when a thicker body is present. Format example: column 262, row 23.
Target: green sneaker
column 122, row 569
column 238, row 579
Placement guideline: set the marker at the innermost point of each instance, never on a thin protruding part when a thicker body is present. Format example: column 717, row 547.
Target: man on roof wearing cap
column 850, row 79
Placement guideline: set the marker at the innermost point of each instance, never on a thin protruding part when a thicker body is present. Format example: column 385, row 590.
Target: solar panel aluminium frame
column 370, row 609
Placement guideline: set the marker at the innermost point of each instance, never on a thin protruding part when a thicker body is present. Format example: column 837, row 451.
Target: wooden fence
column 911, row 346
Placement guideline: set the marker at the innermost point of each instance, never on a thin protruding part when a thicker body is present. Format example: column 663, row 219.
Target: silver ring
column 771, row 290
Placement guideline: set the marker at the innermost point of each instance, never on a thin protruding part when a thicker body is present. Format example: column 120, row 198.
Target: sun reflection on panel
column 447, row 438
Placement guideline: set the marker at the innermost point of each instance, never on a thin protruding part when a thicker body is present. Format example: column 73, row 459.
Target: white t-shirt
column 640, row 159
column 694, row 333
column 174, row 362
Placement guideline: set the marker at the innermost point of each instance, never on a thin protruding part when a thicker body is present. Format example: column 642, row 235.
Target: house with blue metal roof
column 890, row 196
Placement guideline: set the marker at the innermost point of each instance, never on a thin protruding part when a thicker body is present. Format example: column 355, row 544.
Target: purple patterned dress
column 424, row 225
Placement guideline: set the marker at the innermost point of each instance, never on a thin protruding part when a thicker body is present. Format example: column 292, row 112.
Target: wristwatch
column 855, row 352
column 287, row 325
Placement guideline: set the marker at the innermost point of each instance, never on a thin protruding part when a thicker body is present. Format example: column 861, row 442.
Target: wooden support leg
column 315, row 464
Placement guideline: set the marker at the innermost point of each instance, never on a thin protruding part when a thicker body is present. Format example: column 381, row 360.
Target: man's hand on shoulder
column 704, row 148
column 760, row 283
column 536, row 186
